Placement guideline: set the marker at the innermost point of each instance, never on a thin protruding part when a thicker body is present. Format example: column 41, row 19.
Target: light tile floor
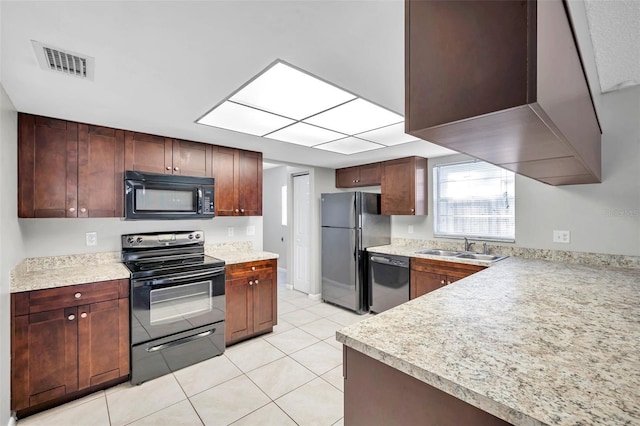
column 288, row 377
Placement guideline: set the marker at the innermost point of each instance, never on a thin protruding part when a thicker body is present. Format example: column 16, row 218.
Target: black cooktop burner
column 147, row 269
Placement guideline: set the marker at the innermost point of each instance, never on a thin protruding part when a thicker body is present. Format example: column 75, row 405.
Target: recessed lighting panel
column 390, row 135
column 355, row 117
column 243, row 119
column 305, row 134
column 349, row 146
column 286, row 91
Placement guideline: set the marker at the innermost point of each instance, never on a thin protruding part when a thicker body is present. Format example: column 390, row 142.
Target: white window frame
column 507, row 184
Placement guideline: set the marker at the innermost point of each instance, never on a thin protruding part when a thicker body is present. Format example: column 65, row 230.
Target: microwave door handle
column 199, row 201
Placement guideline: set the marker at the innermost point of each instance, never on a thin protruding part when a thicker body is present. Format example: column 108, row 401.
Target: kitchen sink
column 435, row 252
column 478, row 256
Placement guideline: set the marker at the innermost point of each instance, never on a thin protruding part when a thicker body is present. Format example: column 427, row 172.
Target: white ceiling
column 161, row 65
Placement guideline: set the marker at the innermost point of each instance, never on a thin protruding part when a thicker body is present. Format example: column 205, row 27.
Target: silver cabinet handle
column 168, row 167
column 83, row 315
column 176, row 169
column 250, row 282
column 77, row 295
column 256, row 282
column 83, row 210
column 72, row 209
column 71, row 317
column 442, row 282
column 237, row 210
column 253, row 268
column 241, row 210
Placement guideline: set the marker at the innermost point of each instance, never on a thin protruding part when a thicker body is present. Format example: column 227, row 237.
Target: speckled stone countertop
column 57, row 271
column 532, row 342
column 411, row 252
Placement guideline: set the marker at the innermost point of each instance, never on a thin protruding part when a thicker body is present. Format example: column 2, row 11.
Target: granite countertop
column 57, row 271
column 408, row 251
column 532, row 342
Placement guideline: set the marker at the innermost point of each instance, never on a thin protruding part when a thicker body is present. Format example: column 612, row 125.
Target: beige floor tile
column 254, row 354
column 281, row 376
column 292, row 340
column 322, row 328
column 335, row 377
column 333, row 342
column 304, row 302
column 269, row 415
column 347, row 317
column 300, row 317
column 339, row 422
column 324, row 309
column 319, row 358
column 316, row 403
column 289, row 295
column 206, row 374
column 136, row 402
column 89, row 413
column 281, row 327
column 285, row 307
column 229, row 401
column 180, row 414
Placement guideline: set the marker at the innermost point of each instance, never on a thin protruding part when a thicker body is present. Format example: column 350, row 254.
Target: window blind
column 474, row 199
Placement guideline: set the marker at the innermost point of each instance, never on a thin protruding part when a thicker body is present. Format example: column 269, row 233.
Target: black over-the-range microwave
column 159, row 196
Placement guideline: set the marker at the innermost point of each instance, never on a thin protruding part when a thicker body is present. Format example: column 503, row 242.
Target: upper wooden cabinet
column 238, row 182
column 503, row 82
column 404, row 186
column 68, row 169
column 357, row 176
column 157, row 154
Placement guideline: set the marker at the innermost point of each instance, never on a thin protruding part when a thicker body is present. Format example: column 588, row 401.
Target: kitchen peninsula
column 530, row 342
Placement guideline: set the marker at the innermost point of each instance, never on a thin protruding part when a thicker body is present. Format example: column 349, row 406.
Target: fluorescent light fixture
column 286, row 91
column 232, row 116
column 305, row 134
column 388, row 136
column 349, row 146
column 355, row 117
column 290, row 105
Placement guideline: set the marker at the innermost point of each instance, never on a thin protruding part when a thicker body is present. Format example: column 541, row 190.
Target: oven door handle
column 181, row 341
column 175, row 278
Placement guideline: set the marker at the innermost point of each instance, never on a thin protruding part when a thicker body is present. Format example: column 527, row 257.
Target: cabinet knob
column 77, row 295
column 241, row 210
column 256, row 282
column 168, row 167
column 83, row 210
column 448, row 282
column 176, row 169
column 413, row 210
column 250, row 282
column 71, row 317
column 83, row 315
column 72, row 209
column 442, row 282
column 237, row 210
column 253, row 268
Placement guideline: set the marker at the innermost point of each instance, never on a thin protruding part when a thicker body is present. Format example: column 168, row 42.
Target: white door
column 301, row 233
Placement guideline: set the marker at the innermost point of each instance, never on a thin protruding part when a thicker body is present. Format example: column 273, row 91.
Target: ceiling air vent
column 59, row 60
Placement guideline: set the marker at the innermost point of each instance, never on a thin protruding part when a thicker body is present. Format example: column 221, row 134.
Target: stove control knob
column 191, row 236
column 139, row 240
column 197, row 236
column 130, row 240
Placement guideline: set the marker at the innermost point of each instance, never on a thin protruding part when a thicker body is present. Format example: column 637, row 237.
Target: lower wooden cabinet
column 428, row 275
column 66, row 342
column 251, row 299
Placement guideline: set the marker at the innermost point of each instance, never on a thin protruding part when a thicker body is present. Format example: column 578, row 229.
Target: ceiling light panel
column 349, row 146
column 286, row 91
column 305, row 134
column 355, row 117
column 240, row 118
column 390, row 135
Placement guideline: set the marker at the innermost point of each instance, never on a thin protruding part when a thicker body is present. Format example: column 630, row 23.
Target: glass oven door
column 170, row 304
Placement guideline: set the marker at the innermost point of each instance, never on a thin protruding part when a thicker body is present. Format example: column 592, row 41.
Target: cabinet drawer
column 242, row 269
column 75, row 295
column 454, row 269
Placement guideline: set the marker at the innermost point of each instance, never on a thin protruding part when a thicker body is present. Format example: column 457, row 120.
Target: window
column 474, row 199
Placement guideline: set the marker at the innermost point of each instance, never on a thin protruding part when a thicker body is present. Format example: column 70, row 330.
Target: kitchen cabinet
column 157, row 154
column 404, row 186
column 428, row 275
column 68, row 169
column 520, row 101
column 67, row 342
column 251, row 299
column 358, row 176
column 238, row 182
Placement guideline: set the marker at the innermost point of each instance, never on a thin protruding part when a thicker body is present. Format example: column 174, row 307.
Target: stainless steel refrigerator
column 351, row 222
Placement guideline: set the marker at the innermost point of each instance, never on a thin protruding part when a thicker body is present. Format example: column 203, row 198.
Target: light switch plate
column 91, row 238
column 251, row 230
column 563, row 237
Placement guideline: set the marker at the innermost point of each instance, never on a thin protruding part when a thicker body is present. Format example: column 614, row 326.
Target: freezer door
column 341, row 283
column 339, row 210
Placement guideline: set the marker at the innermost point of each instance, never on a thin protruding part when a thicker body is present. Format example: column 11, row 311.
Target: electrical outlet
column 230, row 231
column 251, row 230
column 563, row 237
column 410, row 229
column 91, row 238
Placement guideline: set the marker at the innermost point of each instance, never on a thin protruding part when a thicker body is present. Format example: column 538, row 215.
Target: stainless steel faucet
column 485, row 249
column 467, row 244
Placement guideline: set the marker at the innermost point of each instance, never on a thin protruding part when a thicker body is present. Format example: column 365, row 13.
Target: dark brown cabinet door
column 225, row 176
column 404, row 186
column 148, row 153
column 249, row 183
column 357, row 176
column 239, row 309
column 192, row 158
column 263, row 301
column 347, row 177
column 47, row 167
column 44, row 359
column 100, row 171
column 425, row 282
column 370, row 174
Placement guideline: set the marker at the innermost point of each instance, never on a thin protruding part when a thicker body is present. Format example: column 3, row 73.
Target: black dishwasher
column 388, row 281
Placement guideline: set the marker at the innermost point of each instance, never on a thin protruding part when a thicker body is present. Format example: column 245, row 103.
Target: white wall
column 11, row 248
column 276, row 236
column 602, row 218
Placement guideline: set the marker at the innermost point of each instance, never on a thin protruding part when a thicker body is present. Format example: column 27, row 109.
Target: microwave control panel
column 207, row 201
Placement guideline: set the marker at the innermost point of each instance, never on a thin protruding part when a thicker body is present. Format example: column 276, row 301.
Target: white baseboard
column 316, row 296
column 12, row 419
column 282, row 269
column 289, row 286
